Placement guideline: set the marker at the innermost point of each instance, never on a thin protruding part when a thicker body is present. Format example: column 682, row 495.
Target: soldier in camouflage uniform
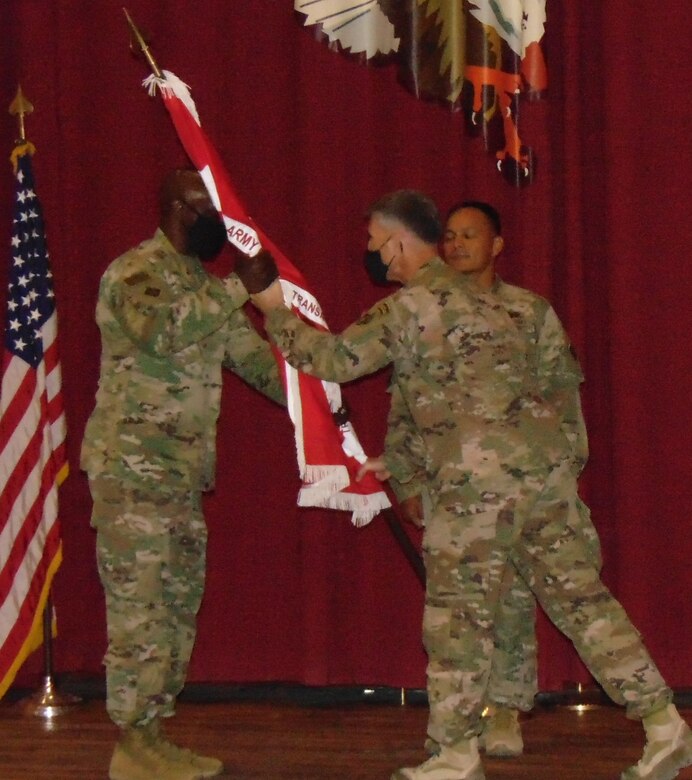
column 167, row 327
column 501, row 478
column 471, row 242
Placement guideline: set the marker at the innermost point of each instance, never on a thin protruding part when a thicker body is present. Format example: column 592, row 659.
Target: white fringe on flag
column 175, row 85
column 363, row 507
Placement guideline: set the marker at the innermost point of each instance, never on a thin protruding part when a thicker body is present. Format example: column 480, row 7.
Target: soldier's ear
column 498, row 245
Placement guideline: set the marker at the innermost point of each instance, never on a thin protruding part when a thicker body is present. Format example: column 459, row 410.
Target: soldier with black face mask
column 167, row 328
column 496, row 435
column 206, row 236
column 376, row 268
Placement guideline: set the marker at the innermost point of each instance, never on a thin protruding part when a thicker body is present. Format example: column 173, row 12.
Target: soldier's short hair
column 173, row 184
column 413, row 209
column 490, row 212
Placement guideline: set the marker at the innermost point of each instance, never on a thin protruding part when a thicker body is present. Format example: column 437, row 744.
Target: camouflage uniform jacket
column 469, row 375
column 532, row 315
column 167, row 327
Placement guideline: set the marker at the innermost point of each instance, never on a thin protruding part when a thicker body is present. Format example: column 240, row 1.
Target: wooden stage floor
column 282, row 740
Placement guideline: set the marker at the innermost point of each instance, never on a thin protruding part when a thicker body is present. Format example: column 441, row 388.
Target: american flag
column 32, row 433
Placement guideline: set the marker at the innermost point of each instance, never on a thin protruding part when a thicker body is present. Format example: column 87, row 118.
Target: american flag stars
column 30, row 297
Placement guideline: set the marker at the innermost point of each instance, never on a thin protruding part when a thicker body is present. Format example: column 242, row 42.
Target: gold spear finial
column 143, row 45
column 18, row 107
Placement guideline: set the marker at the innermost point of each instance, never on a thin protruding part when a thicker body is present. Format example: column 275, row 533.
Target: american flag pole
column 32, row 505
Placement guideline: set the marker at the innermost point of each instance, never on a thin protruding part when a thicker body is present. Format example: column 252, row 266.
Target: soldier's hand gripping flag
column 328, row 449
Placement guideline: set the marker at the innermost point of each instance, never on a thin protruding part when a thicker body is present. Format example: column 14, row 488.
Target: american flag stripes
column 32, row 433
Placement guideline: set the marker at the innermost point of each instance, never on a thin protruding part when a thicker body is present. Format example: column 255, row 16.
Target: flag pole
column 143, row 46
column 405, row 544
column 19, row 107
column 47, row 702
column 390, row 516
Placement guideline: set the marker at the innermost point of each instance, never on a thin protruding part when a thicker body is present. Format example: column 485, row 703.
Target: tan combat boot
column 668, row 747
column 456, row 762
column 501, row 735
column 135, row 758
column 205, row 766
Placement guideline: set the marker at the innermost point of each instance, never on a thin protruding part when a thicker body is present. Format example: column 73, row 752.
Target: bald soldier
column 500, row 473
column 167, row 328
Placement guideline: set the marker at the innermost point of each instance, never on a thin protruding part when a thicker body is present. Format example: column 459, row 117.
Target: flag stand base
column 49, row 702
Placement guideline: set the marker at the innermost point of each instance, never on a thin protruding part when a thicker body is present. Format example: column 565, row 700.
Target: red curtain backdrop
column 311, row 138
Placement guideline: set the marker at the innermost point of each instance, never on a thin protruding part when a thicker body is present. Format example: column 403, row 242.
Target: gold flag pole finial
column 143, row 46
column 19, row 107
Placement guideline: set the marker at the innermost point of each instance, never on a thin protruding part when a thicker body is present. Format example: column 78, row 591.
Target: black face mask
column 376, row 268
column 206, row 237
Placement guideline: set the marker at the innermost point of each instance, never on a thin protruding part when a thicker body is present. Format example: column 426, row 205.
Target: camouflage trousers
column 513, row 676
column 473, row 552
column 150, row 549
